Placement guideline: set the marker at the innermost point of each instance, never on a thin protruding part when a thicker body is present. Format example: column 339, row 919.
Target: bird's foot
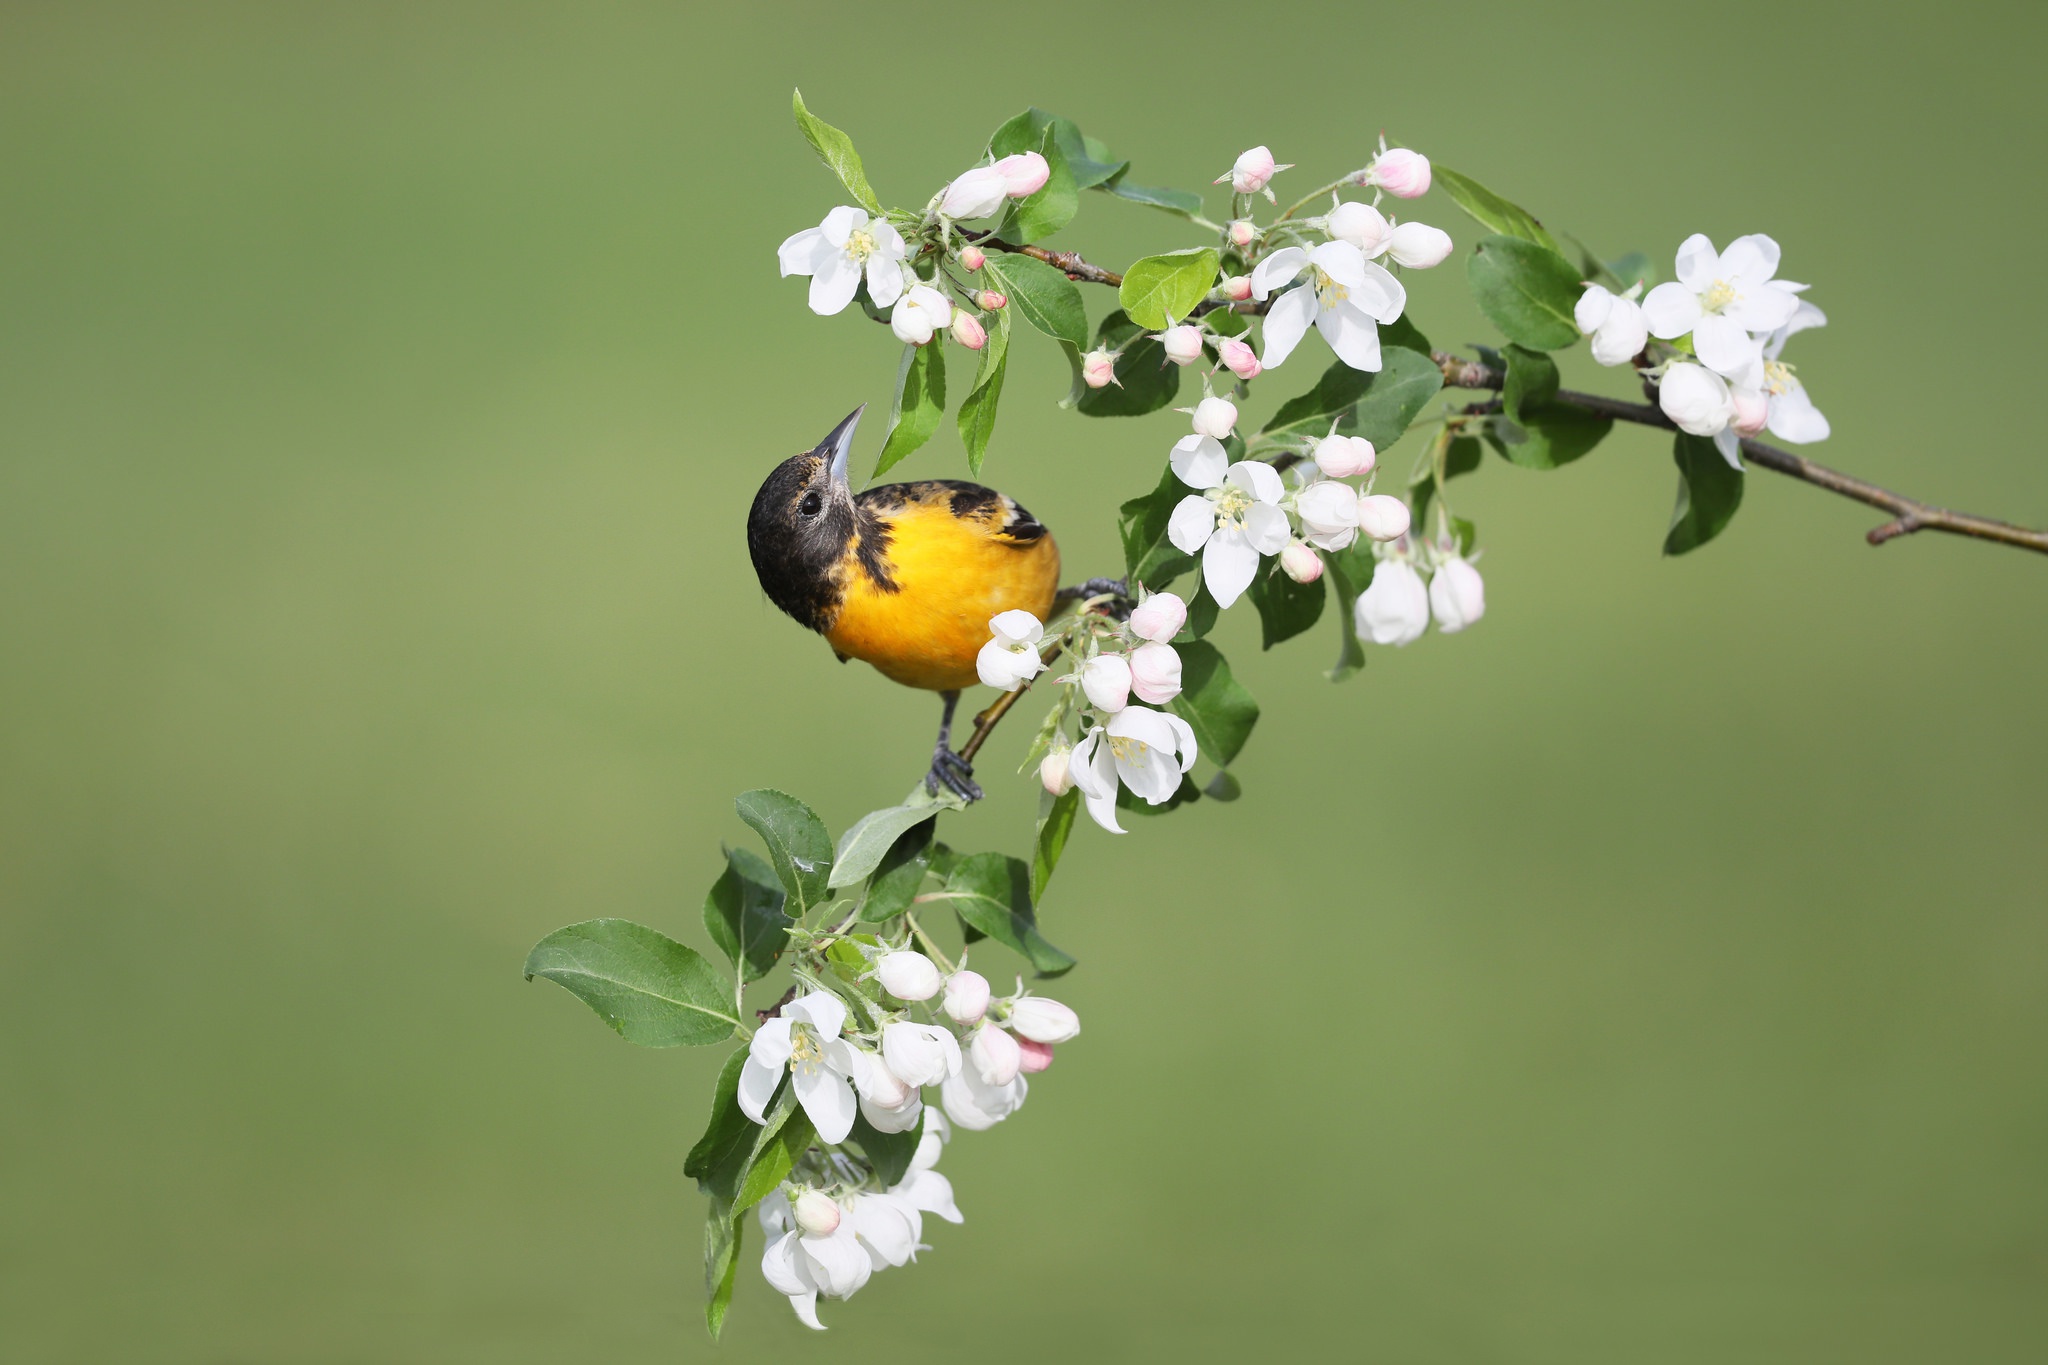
column 955, row 773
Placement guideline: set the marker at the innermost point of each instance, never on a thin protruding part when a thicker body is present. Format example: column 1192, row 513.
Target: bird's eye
column 810, row 505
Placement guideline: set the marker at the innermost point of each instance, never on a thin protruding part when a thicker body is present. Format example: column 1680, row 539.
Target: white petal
column 1094, row 771
column 828, row 1099
column 1592, row 309
column 888, row 241
column 1698, row 265
column 833, row 286
column 1276, row 270
column 1794, row 418
column 820, row 1009
column 799, row 253
column 1016, row 627
column 841, row 223
column 1623, row 335
column 1193, row 520
column 836, row 1262
column 1723, row 346
column 1752, row 259
column 1342, row 262
column 757, row 1086
column 1286, row 323
column 1671, row 310
column 1380, row 296
column 1265, row 528
column 1184, row 739
column 929, row 1192
column 1257, row 478
column 1764, row 308
column 786, row 1271
column 901, row 1119
column 1199, row 461
column 1229, row 564
column 1729, row 442
column 1351, row 335
column 885, row 280
column 1106, row 679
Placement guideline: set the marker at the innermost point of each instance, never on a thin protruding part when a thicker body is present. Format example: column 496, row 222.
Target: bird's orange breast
column 950, row 574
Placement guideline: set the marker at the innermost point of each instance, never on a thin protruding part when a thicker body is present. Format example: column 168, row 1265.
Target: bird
column 904, row 576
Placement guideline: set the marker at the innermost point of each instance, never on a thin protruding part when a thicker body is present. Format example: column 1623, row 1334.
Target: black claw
column 955, row 772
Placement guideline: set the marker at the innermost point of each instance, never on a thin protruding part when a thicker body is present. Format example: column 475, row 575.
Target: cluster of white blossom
column 1728, row 382
column 833, row 1223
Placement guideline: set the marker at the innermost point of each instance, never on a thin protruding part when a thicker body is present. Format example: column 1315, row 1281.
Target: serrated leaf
column 835, row 148
column 1146, row 380
column 1286, row 608
column 977, row 420
column 899, row 877
column 1709, row 492
column 1159, row 291
column 1055, row 823
column 1527, row 291
column 798, row 845
column 649, row 988
column 920, row 403
column 869, row 838
column 1490, row 210
column 1213, row 703
column 1042, row 296
column 992, row 895
column 744, row 916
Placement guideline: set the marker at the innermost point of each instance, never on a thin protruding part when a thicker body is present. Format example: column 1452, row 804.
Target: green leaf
column 748, row 1170
column 1222, row 786
column 1491, row 210
column 1055, row 823
column 649, row 988
column 719, row 1157
column 1051, row 206
column 1526, row 290
column 992, row 894
column 1632, row 269
column 1159, row 291
column 743, row 914
column 1531, row 380
column 920, row 403
column 1088, row 161
column 1214, row 704
column 797, row 845
column 869, row 838
column 978, row 412
column 724, row 1239
column 1145, row 380
column 1377, row 405
column 888, row 1153
column 1042, row 296
column 901, row 874
column 1350, row 573
column 836, row 149
column 1186, row 203
column 1286, row 608
column 1202, row 614
column 1709, row 491
column 1402, row 332
column 1550, row 437
column 1149, row 557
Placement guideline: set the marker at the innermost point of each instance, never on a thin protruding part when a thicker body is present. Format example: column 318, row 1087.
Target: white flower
column 1695, row 398
column 1106, row 679
column 1146, row 750
column 1419, row 246
column 804, row 1267
column 918, row 314
column 1329, row 514
column 1044, row 1021
column 1232, row 521
column 1721, row 299
column 887, row 1101
column 1344, row 457
column 1793, row 417
column 1252, row 171
column 1345, row 298
column 1614, row 321
column 1394, row 608
column 1215, row 418
column 887, row 1226
column 1159, row 617
column 838, row 251
column 804, row 1041
column 1300, row 563
column 977, row 194
column 992, row 1054
column 1362, row 225
column 1183, row 344
column 974, row 1104
column 926, row 1189
column 966, row 996
column 1024, row 174
column 1155, row 673
column 1456, row 595
column 1400, row 172
column 922, row 1054
column 907, row 975
column 1011, row 659
column 1382, row 516
column 931, row 1145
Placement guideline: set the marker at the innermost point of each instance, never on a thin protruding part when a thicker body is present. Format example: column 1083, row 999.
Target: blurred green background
column 1654, row 972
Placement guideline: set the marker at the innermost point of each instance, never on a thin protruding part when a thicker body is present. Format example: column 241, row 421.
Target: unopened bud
column 1240, row 359
column 1106, row 679
column 1382, row 516
column 1024, row 174
column 1237, row 288
column 1241, row 232
column 1400, row 172
column 1183, row 344
column 1046, row 1021
column 972, row 258
column 1252, row 171
column 1035, row 1056
column 1053, row 772
column 977, row 194
column 1300, row 563
column 1345, row 457
column 989, row 300
column 817, row 1215
column 966, row 997
column 907, row 975
column 969, row 332
column 1419, row 246
column 1159, row 617
column 1155, row 673
column 1752, row 409
column 1215, row 418
column 994, row 1055
column 1362, row 225
column 1457, row 597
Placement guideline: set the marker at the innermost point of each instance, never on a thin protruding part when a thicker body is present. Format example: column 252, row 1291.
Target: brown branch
column 1068, row 261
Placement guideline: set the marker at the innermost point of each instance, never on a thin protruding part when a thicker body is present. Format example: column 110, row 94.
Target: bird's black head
column 801, row 525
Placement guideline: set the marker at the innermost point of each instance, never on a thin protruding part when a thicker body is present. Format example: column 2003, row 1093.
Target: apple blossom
column 1215, row 418
column 1329, row 514
column 1052, row 771
column 922, row 1054
column 931, row 1145
column 1394, row 608
column 1695, row 398
column 887, row 1227
column 1043, row 1021
column 1400, row 172
column 1098, row 368
column 1614, row 321
column 888, row 1102
column 924, row 1188
column 969, row 332
column 1721, row 298
column 1419, row 246
column 804, row 1267
column 1345, row 298
column 1240, row 359
column 839, row 251
column 966, row 998
column 1036, row 1056
column 1362, row 225
column 977, row 194
column 1011, row 659
column 1234, row 519
column 1300, row 563
column 1457, row 597
column 1793, row 417
column 816, row 1214
column 803, row 1042
column 992, row 1055
column 1183, row 344
column 975, row 1104
column 989, row 301
column 1382, row 516
column 1024, row 174
column 972, row 258
column 1344, row 457
column 1147, row 751
column 1159, row 617
column 1106, row 679
column 921, row 311
column 907, row 975
column 1242, row 232
column 1252, row 172
column 1155, row 673
column 1237, row 288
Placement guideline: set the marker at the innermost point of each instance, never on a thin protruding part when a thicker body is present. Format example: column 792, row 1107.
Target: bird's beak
column 838, row 447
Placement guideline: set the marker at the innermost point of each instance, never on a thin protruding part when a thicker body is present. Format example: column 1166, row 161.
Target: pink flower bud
column 1036, row 1056
column 1106, row 679
column 907, row 975
column 1240, row 359
column 1382, row 516
column 816, row 1214
column 1300, row 563
column 1457, row 598
column 1345, row 457
column 1419, row 246
column 1045, row 1021
column 966, row 996
column 1215, row 418
column 977, row 194
column 990, row 300
column 1159, row 617
column 968, row 332
column 1400, row 172
column 1237, row 288
column 1024, row 174
column 1053, row 772
column 1241, row 232
column 1362, row 225
column 994, row 1055
column 973, row 258
column 1752, row 409
column 1183, row 344
column 1098, row 368
column 1252, row 172
column 1155, row 673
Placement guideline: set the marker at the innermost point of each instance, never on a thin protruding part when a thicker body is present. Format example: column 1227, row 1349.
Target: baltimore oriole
column 904, row 576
